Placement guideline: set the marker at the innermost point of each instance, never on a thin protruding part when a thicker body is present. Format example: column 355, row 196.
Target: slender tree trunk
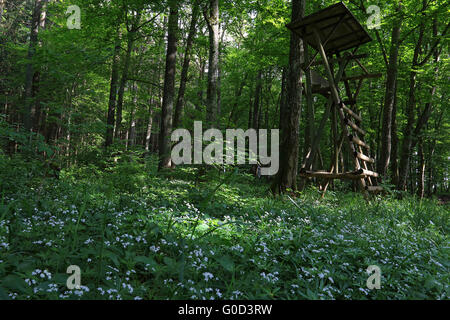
column 200, row 92
column 309, row 128
column 410, row 108
column 250, row 109
column 149, row 126
column 169, row 89
column 2, row 7
column 35, row 20
column 394, row 140
column 212, row 20
column 132, row 135
column 426, row 113
column 187, row 59
column 113, row 94
column 392, row 70
column 256, row 103
column 432, row 146
column 421, row 182
column 283, row 97
column 410, row 137
column 287, row 175
column 238, row 94
column 36, row 114
column 123, row 82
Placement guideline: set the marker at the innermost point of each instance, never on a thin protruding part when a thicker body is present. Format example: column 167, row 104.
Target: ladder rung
column 364, row 157
column 351, row 113
column 374, row 188
column 358, row 141
column 331, row 175
column 355, row 127
column 367, row 173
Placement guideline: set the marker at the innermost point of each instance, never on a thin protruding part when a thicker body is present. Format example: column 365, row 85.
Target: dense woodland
column 87, row 108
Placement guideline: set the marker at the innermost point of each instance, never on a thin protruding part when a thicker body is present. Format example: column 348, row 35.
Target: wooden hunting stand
column 330, row 32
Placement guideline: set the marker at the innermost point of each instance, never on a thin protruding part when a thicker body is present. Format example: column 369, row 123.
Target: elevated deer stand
column 330, row 32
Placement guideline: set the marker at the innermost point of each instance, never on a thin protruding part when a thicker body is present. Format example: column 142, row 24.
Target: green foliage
column 136, row 233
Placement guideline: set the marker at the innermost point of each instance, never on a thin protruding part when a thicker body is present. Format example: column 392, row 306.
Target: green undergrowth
column 183, row 234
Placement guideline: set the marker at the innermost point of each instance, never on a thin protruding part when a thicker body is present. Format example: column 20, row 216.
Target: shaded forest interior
column 91, row 92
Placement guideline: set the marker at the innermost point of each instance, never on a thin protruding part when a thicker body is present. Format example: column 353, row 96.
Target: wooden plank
column 358, row 141
column 355, row 127
column 374, row 188
column 367, row 173
column 364, row 157
column 332, row 175
column 351, row 113
column 365, row 166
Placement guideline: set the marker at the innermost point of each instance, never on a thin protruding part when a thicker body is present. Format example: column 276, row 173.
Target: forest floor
column 139, row 234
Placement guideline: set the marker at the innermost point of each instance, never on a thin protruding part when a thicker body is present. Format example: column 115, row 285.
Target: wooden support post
column 310, row 159
column 341, row 142
column 337, row 101
column 309, row 97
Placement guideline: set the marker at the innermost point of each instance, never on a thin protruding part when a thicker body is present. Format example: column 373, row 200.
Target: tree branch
column 433, row 48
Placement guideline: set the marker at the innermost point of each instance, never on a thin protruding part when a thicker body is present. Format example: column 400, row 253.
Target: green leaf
column 226, row 262
column 4, row 295
column 13, row 282
column 146, row 260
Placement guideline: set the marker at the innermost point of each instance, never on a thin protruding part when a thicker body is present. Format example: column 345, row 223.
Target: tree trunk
column 2, row 7
column 421, row 182
column 410, row 108
column 410, row 136
column 287, row 175
column 132, row 135
column 283, row 96
column 256, row 103
column 149, row 126
column 309, row 128
column 238, row 94
column 392, row 70
column 187, row 59
column 29, row 75
column 113, row 94
column 394, row 140
column 123, row 82
column 36, row 114
column 212, row 20
column 169, row 89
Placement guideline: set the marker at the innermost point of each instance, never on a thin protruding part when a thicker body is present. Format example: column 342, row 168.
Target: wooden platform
column 347, row 32
column 331, row 32
column 352, row 175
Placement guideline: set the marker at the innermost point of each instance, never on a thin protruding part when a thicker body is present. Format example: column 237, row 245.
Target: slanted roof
column 348, row 32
